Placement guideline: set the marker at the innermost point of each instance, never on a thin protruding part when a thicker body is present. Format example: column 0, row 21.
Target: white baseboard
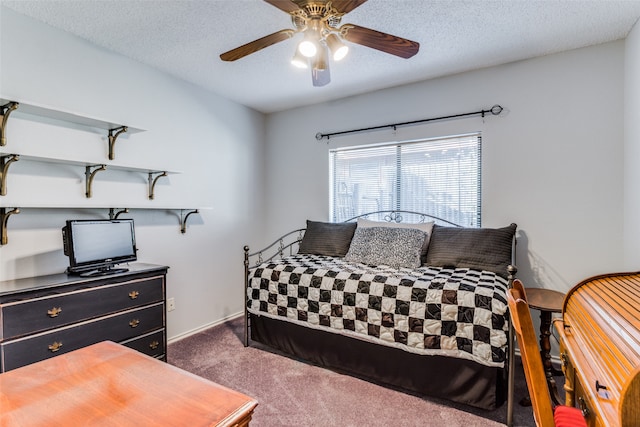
column 203, row 327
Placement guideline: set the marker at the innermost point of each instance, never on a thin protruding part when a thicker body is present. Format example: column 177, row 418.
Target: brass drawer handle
column 55, row 346
column 582, row 405
column 154, row 344
column 54, row 311
column 134, row 323
column 134, row 294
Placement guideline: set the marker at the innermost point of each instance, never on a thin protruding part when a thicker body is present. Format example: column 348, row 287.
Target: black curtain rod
column 495, row 110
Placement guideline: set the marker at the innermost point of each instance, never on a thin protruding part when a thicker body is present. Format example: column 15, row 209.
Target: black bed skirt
column 458, row 380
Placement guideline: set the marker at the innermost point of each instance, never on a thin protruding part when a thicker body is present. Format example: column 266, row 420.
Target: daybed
column 415, row 306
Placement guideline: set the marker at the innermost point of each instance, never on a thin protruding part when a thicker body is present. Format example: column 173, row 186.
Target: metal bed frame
column 288, row 244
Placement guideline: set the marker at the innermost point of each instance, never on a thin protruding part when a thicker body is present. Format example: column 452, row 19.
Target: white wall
column 632, row 151
column 215, row 144
column 552, row 162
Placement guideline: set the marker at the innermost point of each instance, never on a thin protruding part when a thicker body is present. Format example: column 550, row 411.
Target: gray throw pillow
column 395, row 247
column 478, row 248
column 327, row 238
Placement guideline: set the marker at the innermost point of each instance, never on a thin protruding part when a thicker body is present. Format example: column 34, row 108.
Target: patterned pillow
column 327, row 238
column 395, row 247
column 427, row 227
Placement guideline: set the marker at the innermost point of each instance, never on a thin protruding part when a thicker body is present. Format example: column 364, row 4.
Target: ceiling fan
column 319, row 21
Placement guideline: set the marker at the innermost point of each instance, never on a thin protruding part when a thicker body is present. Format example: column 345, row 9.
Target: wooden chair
column 543, row 411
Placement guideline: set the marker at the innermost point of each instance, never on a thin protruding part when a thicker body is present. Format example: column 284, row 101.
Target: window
column 439, row 177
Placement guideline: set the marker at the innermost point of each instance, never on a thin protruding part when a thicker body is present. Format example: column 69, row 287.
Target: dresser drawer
column 21, row 318
column 583, row 403
column 150, row 344
column 117, row 327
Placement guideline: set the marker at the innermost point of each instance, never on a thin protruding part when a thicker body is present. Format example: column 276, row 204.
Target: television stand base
column 94, row 273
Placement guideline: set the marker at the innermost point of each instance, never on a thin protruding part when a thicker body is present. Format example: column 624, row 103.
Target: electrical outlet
column 171, row 304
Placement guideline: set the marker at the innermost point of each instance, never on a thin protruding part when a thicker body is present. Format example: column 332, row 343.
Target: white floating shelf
column 31, row 108
column 85, row 163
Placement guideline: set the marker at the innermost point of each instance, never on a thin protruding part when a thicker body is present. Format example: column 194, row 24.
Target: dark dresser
column 43, row 316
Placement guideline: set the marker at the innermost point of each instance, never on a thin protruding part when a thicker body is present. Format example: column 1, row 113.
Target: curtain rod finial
column 319, row 136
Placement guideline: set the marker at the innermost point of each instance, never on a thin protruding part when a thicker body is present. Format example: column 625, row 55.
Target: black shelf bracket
column 5, row 110
column 4, row 218
column 5, row 162
column 112, row 139
column 114, row 215
column 153, row 181
column 183, row 219
column 90, row 175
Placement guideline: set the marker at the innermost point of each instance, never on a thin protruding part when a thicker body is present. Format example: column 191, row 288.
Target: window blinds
column 439, row 177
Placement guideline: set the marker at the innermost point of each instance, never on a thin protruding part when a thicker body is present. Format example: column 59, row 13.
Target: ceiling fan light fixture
column 321, row 61
column 299, row 60
column 307, row 48
column 338, row 48
column 309, row 45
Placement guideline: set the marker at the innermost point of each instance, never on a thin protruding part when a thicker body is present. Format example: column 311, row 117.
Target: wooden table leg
column 545, row 354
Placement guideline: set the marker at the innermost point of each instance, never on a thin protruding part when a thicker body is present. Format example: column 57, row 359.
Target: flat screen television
column 97, row 246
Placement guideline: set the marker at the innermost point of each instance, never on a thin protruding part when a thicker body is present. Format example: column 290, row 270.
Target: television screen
column 94, row 247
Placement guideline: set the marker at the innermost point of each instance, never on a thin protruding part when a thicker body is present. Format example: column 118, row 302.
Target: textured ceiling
column 185, row 38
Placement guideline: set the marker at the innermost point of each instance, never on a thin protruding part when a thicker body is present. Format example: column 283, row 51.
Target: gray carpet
column 293, row 393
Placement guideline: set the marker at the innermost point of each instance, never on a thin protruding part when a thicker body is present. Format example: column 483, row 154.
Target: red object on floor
column 568, row 416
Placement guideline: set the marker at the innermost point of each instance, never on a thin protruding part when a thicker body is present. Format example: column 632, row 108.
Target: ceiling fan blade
column 381, row 41
column 320, row 77
column 284, row 5
column 256, row 45
column 346, row 6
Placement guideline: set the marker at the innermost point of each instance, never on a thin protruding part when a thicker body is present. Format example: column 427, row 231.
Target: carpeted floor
column 293, row 393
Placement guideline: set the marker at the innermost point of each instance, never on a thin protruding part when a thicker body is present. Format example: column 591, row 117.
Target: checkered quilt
column 455, row 312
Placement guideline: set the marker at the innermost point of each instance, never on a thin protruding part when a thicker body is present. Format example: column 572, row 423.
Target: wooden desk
column 599, row 346
column 109, row 384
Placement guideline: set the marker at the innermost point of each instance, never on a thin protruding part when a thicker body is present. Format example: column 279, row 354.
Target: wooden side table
column 546, row 301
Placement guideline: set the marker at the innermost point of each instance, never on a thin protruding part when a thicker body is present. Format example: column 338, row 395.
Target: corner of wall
column 631, row 230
